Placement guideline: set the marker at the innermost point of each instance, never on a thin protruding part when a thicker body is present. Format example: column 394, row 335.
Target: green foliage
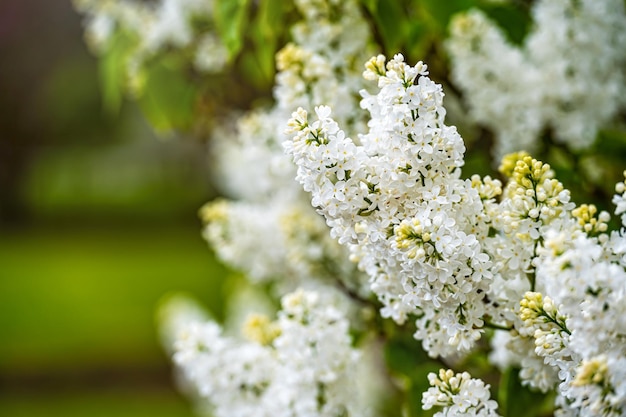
column 442, row 11
column 516, row 400
column 514, row 21
column 266, row 33
column 409, row 365
column 611, row 144
column 413, row 27
column 231, row 20
column 168, row 92
column 169, row 98
column 113, row 70
column 391, row 22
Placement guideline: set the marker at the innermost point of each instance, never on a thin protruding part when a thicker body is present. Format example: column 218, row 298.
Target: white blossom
column 301, row 364
column 252, row 169
column 152, row 27
column 566, row 75
column 459, row 395
column 396, row 200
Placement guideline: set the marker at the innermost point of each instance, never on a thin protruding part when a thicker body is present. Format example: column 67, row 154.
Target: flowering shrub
column 346, row 198
column 461, row 256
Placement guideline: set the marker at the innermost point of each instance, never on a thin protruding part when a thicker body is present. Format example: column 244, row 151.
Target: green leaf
column 392, row 24
column 515, row 22
column 442, row 11
column 371, row 5
column 231, row 20
column 267, row 29
column 113, row 70
column 611, row 143
column 401, row 357
column 516, row 400
column 254, row 71
column 169, row 98
column 419, row 41
column 409, row 364
column 270, row 18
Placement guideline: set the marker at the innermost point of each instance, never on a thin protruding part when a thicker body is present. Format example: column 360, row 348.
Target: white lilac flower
column 396, row 200
column 578, row 46
column 547, row 326
column 447, row 252
column 153, row 27
column 103, row 17
column 174, row 313
column 459, row 395
column 98, row 31
column 512, row 350
column 569, row 333
column 302, row 252
column 582, row 276
column 170, row 24
column 251, row 167
column 228, row 226
column 490, row 72
column 566, row 76
column 532, row 203
column 301, row 364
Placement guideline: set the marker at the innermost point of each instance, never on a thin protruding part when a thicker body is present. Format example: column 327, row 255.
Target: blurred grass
column 77, row 308
column 107, row 403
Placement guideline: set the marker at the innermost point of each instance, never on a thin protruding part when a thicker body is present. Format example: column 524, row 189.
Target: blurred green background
column 97, row 223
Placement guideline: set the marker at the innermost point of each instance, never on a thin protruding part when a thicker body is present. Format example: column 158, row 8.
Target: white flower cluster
column 301, row 364
column 583, row 330
column 397, row 201
column 252, row 168
column 572, row 336
column 544, row 224
column 531, row 203
column 465, row 255
column 459, row 395
column 567, row 75
column 155, row 26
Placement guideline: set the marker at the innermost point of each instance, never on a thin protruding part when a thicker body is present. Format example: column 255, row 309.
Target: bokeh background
column 97, row 224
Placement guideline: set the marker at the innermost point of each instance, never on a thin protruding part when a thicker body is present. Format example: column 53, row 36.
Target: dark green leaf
column 516, row 400
column 371, row 5
column 418, row 41
column 392, row 23
column 255, row 70
column 408, row 362
column 442, row 11
column 612, row 144
column 514, row 21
